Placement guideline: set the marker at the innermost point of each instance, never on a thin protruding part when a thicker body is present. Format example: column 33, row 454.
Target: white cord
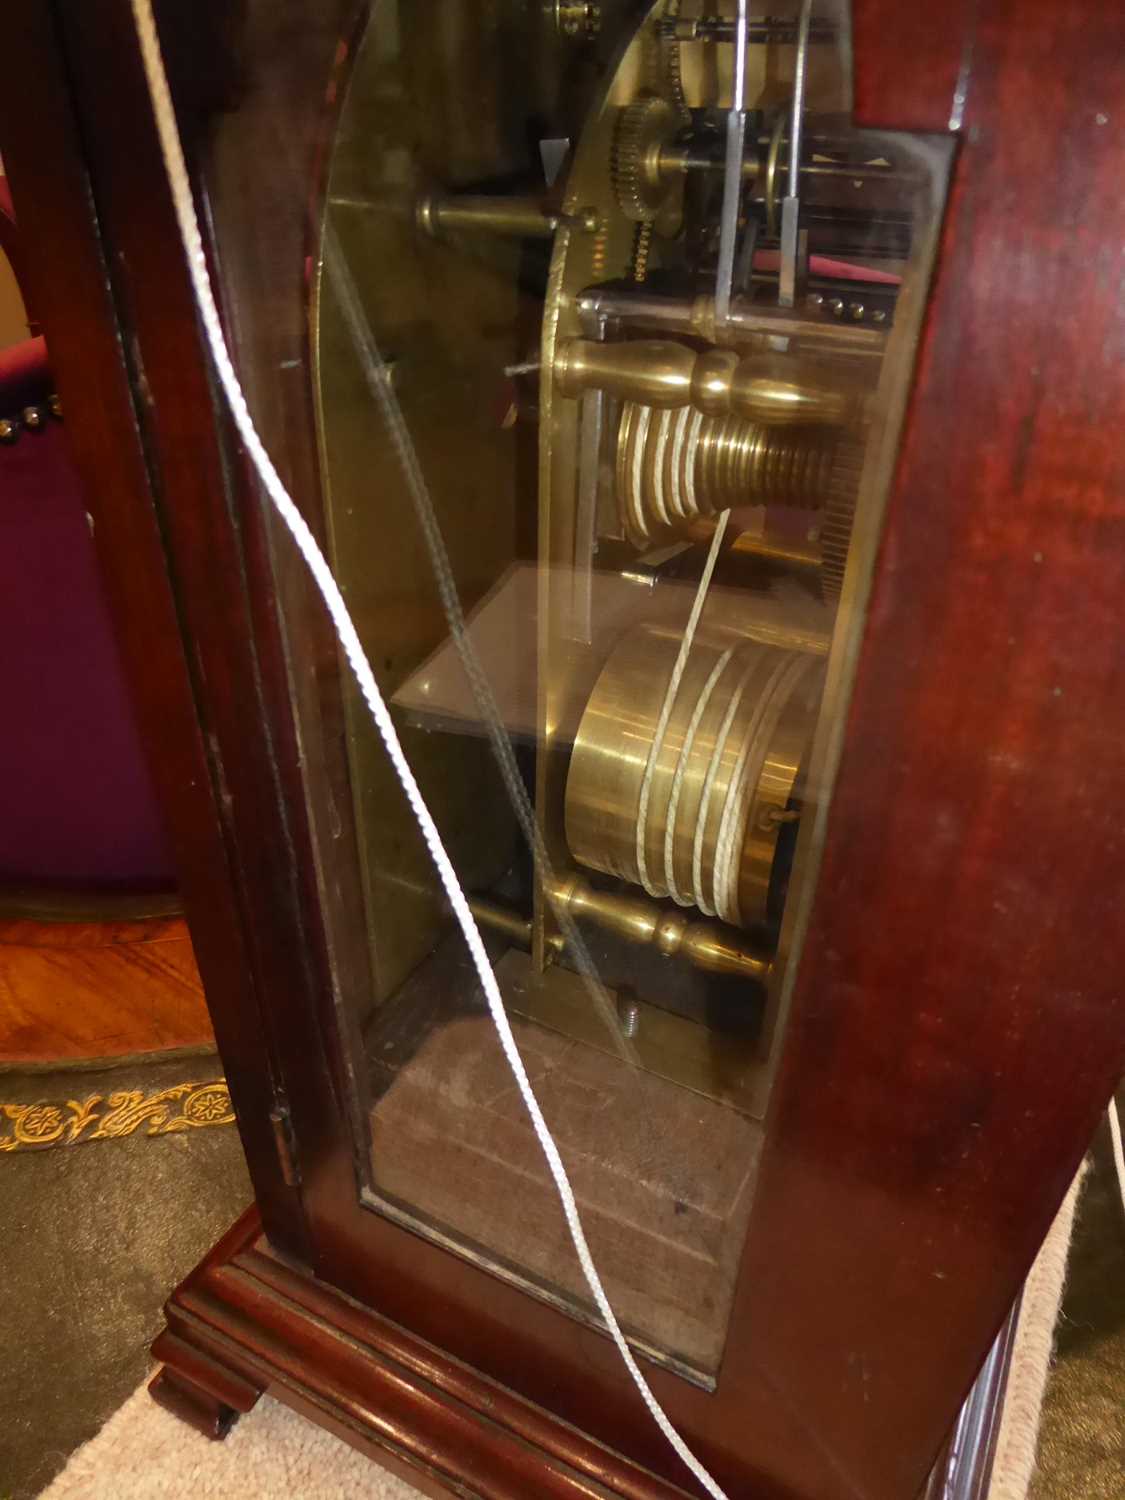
column 1115, row 1139
column 705, row 904
column 678, row 785
column 736, row 806
column 670, row 693
column 349, row 639
column 377, row 379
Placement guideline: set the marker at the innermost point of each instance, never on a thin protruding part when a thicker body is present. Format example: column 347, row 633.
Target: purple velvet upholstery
column 76, row 801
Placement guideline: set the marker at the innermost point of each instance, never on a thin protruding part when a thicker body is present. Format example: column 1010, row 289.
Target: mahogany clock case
column 956, row 1027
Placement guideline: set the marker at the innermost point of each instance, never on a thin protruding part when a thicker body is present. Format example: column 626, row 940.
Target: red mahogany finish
column 984, row 739
column 389, row 1393
column 958, row 1021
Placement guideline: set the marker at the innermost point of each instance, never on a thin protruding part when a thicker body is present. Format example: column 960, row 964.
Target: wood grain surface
column 78, row 990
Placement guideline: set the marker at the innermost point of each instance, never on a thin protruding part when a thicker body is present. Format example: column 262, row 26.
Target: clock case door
column 921, row 1132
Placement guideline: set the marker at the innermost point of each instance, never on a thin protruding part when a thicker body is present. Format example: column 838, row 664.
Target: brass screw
column 629, row 1013
column 54, row 405
column 9, row 430
column 32, row 418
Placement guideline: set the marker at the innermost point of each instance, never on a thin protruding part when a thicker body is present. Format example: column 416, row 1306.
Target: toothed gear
column 642, row 248
column 642, row 128
column 672, row 73
column 838, row 516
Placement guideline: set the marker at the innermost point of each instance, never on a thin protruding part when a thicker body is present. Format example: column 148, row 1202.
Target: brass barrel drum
column 677, row 466
column 692, row 809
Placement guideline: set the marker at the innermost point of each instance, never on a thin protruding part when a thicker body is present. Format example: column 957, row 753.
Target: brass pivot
column 775, row 390
column 578, row 19
column 706, row 945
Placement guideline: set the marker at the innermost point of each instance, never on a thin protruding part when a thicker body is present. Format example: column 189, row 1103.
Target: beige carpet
column 272, row 1454
column 144, row 1452
column 1082, row 1432
column 1017, row 1441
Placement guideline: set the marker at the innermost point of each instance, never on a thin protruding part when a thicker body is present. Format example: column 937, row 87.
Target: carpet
column 1082, row 1433
column 271, row 1454
column 1017, row 1440
column 113, row 1184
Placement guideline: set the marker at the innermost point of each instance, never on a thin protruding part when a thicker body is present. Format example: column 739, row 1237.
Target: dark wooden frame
column 246, row 1321
column 954, row 1034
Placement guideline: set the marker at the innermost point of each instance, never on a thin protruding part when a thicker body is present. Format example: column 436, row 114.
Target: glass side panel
column 607, row 394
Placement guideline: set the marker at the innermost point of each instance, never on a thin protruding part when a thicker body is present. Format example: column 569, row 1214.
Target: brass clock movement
column 613, row 326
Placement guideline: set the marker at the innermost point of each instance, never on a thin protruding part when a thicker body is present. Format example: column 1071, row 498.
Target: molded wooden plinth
column 246, row 1321
column 203, row 1392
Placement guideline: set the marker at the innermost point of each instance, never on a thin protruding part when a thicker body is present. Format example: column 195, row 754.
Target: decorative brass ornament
column 100, row 1117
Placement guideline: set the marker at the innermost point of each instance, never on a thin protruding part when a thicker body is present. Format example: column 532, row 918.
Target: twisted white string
column 1115, row 1139
column 678, row 785
column 180, row 186
column 670, row 693
column 706, row 904
column 736, row 806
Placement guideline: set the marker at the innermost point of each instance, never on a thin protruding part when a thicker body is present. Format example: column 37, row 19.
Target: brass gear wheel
column 837, row 518
column 671, row 73
column 643, row 194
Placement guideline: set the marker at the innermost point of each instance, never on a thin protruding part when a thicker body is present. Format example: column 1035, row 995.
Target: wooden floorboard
column 87, row 989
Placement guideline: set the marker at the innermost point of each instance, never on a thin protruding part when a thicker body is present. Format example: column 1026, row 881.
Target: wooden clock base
column 246, row 1322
